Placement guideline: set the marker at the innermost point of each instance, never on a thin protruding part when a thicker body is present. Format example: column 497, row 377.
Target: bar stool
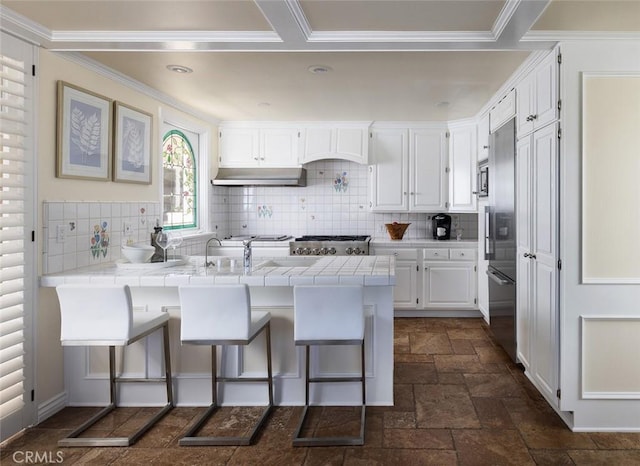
column 221, row 315
column 103, row 315
column 329, row 315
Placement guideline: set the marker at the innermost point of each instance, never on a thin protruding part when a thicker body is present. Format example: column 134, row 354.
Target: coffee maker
column 441, row 226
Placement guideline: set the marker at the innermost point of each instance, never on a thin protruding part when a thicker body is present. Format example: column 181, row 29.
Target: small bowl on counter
column 396, row 230
column 138, row 253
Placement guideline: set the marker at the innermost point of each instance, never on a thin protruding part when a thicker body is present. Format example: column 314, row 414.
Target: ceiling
column 428, row 60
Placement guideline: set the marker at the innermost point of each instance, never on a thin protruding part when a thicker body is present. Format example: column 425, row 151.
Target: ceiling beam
column 516, row 19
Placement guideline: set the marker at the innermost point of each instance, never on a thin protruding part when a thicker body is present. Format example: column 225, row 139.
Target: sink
column 288, row 262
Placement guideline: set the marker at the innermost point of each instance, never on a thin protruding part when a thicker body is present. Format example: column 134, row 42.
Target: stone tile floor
column 458, row 401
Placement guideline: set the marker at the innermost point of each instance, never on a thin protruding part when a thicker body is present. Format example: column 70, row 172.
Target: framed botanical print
column 132, row 145
column 83, row 134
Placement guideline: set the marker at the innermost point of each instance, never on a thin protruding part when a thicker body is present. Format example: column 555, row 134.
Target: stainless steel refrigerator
column 500, row 237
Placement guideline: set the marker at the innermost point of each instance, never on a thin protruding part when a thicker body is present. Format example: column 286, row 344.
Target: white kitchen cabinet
column 462, row 166
column 483, row 138
column 389, row 182
column 449, row 278
column 449, row 285
column 408, row 171
column 504, row 110
column 427, row 170
column 258, row 147
column 341, row 141
column 537, row 96
column 405, row 291
column 537, row 239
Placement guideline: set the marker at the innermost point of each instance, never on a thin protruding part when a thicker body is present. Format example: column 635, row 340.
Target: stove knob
column 315, row 252
column 332, row 251
column 357, row 251
column 305, row 251
column 296, row 251
column 324, row 251
column 349, row 251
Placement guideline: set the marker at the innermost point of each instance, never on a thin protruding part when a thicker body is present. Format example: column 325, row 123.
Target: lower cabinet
column 405, row 293
column 449, row 285
column 437, row 278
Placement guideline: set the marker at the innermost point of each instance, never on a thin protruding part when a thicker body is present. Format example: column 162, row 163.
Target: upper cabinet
column 504, row 110
column 537, row 96
column 483, row 138
column 462, row 163
column 258, row 147
column 347, row 141
column 408, row 171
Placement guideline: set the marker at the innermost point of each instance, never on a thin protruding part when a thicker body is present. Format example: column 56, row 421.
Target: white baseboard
column 441, row 313
column 48, row 408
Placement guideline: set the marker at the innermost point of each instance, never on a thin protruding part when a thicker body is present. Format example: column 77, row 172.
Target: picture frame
column 83, row 130
column 132, row 144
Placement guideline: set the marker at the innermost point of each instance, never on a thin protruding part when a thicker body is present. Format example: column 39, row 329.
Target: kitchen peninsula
column 271, row 283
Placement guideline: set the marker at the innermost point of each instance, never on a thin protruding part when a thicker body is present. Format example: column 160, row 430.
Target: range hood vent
column 261, row 177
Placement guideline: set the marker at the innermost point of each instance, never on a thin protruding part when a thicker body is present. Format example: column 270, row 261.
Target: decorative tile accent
column 100, row 240
column 265, row 211
column 341, row 182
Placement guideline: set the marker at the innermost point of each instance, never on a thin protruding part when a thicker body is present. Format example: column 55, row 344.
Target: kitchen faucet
column 207, row 263
column 247, row 256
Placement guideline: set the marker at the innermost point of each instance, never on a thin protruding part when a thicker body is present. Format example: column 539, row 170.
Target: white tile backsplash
column 335, row 201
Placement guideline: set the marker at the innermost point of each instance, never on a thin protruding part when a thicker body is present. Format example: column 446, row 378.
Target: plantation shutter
column 15, row 271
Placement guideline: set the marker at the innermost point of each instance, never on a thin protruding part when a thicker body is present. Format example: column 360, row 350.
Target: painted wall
column 51, row 68
column 619, row 304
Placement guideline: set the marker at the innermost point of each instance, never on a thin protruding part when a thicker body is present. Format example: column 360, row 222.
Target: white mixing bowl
column 138, row 253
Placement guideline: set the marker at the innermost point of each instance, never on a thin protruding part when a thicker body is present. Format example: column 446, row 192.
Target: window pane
column 180, row 181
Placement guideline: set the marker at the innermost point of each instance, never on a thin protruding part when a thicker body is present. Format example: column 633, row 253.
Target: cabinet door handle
column 255, row 158
column 412, row 193
column 485, row 147
column 461, row 254
column 404, row 193
column 527, row 255
column 426, row 268
column 532, row 256
column 261, row 158
column 534, row 117
column 395, row 254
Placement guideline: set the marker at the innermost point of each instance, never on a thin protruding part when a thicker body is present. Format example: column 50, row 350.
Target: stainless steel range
column 322, row 245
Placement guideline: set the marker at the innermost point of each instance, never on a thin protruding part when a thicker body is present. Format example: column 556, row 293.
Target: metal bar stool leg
column 191, row 438
column 331, row 441
column 73, row 439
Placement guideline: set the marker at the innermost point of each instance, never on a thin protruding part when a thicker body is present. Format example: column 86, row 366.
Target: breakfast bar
column 271, row 282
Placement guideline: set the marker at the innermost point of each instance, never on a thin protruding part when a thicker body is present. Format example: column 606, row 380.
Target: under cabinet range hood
column 261, row 177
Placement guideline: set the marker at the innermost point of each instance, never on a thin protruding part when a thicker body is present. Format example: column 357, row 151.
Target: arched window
column 180, row 185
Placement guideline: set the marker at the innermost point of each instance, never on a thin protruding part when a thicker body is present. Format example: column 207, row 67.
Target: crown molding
column 23, row 27
column 559, row 36
column 131, row 83
column 518, row 75
column 401, row 36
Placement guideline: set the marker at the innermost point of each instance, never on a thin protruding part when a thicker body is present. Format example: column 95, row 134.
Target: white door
column 462, row 165
column 545, row 256
column 449, row 285
column 279, row 147
column 390, row 170
column 545, row 97
column 404, row 291
column 17, row 214
column 524, row 317
column 239, row 147
column 428, row 177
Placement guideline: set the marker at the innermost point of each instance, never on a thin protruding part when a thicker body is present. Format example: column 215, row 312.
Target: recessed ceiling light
column 320, row 69
column 443, row 104
column 264, row 104
column 179, row 69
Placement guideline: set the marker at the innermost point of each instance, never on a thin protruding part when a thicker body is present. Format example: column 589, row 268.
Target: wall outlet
column 126, row 228
column 60, row 233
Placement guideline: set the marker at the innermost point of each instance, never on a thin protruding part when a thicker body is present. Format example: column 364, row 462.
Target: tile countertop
column 277, row 271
